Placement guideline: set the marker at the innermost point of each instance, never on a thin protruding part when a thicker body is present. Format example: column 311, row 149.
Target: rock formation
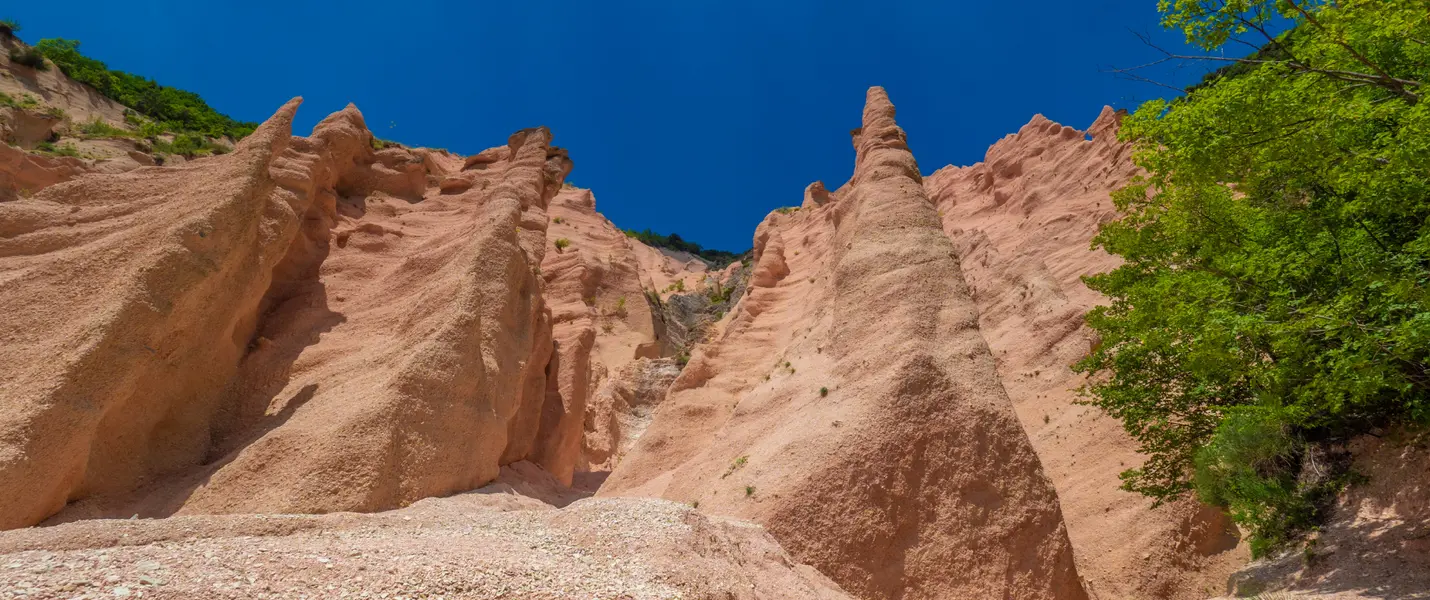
column 602, row 321
column 1023, row 222
column 621, row 409
column 853, row 408
column 325, row 323
column 277, row 330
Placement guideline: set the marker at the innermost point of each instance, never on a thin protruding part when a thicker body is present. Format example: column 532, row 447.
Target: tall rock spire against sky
column 881, row 447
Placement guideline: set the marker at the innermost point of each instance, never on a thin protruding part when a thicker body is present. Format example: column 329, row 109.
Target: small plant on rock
column 749, row 491
column 61, row 150
column 8, row 27
column 97, row 128
column 562, row 244
column 735, row 466
column 824, row 391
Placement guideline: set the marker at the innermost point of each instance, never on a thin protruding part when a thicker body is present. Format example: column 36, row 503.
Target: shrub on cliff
column 8, row 27
column 30, row 58
column 1275, row 295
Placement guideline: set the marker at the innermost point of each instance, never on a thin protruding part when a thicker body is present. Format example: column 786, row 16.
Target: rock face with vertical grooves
column 288, row 328
column 1023, row 221
column 596, row 287
column 853, row 408
column 311, row 324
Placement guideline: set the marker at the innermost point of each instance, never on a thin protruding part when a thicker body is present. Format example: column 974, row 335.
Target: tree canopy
column 1275, row 295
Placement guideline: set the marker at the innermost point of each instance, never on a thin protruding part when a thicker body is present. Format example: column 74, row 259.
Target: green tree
column 1275, row 295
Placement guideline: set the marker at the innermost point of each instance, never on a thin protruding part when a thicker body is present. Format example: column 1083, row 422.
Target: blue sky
column 684, row 116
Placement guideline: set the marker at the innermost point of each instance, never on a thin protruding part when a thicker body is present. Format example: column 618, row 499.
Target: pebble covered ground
column 468, row 546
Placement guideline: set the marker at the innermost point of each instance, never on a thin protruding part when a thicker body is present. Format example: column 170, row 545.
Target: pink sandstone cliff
column 281, row 329
column 309, row 325
column 1023, row 221
column 851, row 406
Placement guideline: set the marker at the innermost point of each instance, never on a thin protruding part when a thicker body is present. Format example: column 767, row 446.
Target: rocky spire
column 882, row 149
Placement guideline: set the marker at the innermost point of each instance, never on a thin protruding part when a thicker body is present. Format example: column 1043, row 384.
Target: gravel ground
column 468, row 546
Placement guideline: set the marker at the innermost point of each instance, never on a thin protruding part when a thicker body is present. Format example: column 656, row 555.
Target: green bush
column 719, row 293
column 178, row 110
column 8, row 27
column 29, row 57
column 562, row 244
column 1274, row 299
column 187, row 145
column 61, row 150
column 1249, row 467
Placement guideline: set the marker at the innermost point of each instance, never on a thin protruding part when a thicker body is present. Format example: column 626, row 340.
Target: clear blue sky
column 687, row 116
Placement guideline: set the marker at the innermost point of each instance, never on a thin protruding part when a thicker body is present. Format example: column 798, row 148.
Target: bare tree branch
column 1393, row 84
column 1125, row 74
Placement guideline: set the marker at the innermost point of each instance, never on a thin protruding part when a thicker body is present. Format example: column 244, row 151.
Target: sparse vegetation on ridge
column 58, row 150
column 25, row 101
column 1274, row 301
column 176, row 110
column 717, row 258
column 98, row 128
